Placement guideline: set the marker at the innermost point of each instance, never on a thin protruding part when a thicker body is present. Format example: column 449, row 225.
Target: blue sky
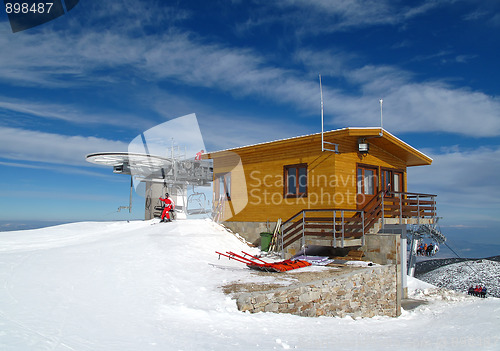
column 95, row 78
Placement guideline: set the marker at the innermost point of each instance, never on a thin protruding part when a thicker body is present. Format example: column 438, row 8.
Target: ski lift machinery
column 159, row 174
column 419, row 232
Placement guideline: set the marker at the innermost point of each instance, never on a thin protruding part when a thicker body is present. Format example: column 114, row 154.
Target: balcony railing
column 408, row 205
column 340, row 224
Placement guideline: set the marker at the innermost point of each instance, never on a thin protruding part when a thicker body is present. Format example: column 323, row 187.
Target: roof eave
column 419, row 158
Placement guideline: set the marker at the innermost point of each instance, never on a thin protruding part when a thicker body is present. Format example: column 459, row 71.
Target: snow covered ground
column 137, row 286
column 460, row 276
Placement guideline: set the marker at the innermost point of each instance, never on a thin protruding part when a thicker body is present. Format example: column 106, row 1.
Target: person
column 435, row 249
column 429, row 249
column 198, row 155
column 483, row 292
column 172, row 212
column 166, row 209
column 420, row 250
column 471, row 291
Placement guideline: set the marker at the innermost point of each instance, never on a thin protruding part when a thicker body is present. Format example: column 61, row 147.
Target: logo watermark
column 270, row 189
column 25, row 14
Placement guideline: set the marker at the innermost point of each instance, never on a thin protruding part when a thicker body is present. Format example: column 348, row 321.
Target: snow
column 145, row 286
column 460, row 276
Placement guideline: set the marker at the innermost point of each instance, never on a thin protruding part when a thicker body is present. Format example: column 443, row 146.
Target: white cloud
column 437, row 107
column 466, row 182
column 426, row 107
column 226, row 128
column 57, row 169
column 486, row 12
column 312, row 16
column 409, row 106
column 50, row 58
column 26, row 145
column 67, row 112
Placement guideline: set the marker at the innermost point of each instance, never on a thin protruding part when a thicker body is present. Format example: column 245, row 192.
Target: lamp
column 363, row 147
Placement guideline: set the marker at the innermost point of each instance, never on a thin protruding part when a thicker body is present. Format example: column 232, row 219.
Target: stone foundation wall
column 385, row 248
column 366, row 292
column 382, row 248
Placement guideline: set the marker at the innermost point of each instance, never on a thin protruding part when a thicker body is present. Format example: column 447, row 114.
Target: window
column 367, row 180
column 222, row 186
column 295, row 180
column 397, row 182
column 392, row 180
column 386, row 180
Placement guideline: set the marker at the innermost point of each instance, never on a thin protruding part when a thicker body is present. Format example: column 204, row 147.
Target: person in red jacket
column 166, row 209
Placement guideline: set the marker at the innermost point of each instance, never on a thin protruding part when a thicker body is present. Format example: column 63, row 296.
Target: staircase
column 335, row 226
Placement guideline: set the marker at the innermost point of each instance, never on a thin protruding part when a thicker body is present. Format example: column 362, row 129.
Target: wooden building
column 334, row 187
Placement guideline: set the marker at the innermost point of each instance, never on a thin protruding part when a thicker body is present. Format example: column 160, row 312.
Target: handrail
column 319, row 210
column 291, row 218
column 299, row 228
column 404, row 205
column 414, row 194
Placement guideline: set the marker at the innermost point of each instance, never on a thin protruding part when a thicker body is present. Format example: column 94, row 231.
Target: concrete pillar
column 153, row 192
column 401, row 230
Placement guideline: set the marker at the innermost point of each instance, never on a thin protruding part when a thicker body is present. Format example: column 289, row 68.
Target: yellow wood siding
column 257, row 172
column 331, row 177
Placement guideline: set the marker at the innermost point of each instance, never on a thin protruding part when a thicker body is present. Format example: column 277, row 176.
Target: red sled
column 261, row 265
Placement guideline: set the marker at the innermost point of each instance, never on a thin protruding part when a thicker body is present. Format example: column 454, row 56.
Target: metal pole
column 343, row 229
column 282, row 239
column 130, row 198
column 282, row 243
column 400, row 208
column 363, row 227
column 334, row 237
column 418, row 209
column 413, row 255
column 434, row 208
column 404, row 262
column 383, row 211
column 303, row 231
column 174, row 164
column 381, row 117
column 322, row 127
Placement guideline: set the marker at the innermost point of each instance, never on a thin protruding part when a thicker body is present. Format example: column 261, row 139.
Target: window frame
column 298, row 194
column 225, row 180
column 392, row 173
column 360, row 185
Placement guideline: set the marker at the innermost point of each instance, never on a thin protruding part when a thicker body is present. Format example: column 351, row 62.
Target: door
column 397, row 182
column 392, row 180
column 367, row 185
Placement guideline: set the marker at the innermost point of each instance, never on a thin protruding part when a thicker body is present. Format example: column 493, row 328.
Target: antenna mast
column 322, row 128
column 323, row 142
column 381, row 116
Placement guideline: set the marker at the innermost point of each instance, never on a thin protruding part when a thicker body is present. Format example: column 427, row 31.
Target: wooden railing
column 324, row 223
column 408, row 205
column 339, row 224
